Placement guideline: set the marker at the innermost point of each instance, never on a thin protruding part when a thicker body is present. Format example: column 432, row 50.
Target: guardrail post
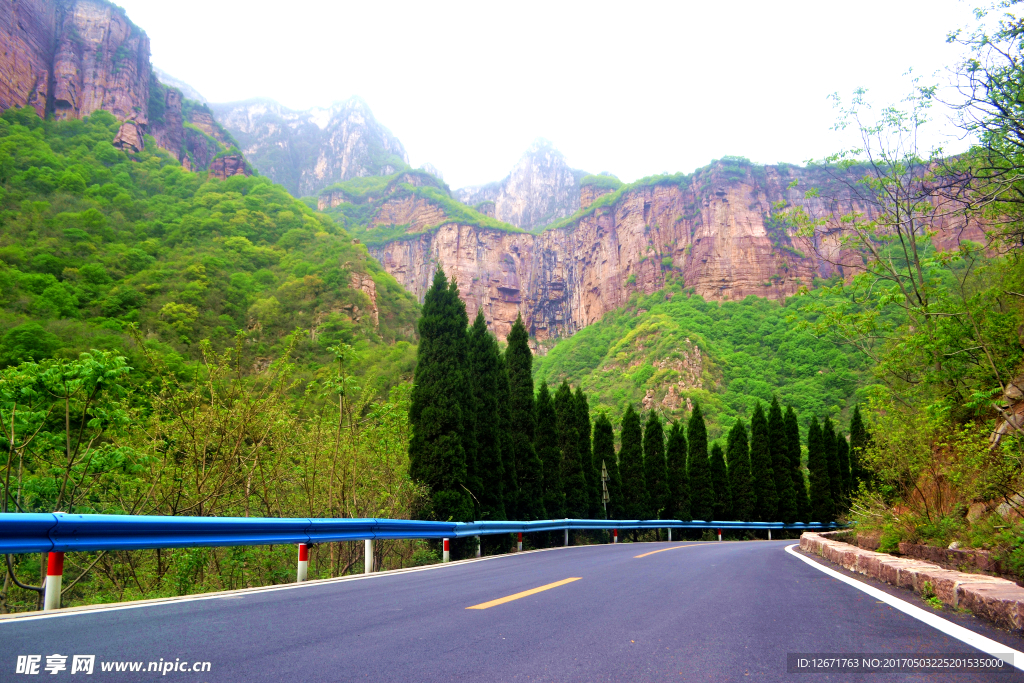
column 368, row 556
column 520, row 548
column 670, row 534
column 54, row 575
column 615, row 535
column 566, row 536
column 769, row 534
column 446, row 555
column 719, row 535
column 300, row 574
column 479, row 546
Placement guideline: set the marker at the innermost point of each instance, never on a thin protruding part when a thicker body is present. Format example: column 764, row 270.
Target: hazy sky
column 633, row 88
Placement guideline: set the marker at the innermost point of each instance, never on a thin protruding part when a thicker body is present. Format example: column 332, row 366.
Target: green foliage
column 831, row 452
column 859, row 441
column 818, row 485
column 603, row 181
column 547, row 445
column 766, row 506
column 656, row 469
column 486, row 364
column 748, row 350
column 782, row 468
column 702, row 489
column 437, row 453
column 590, row 468
column 574, row 483
column 635, row 493
column 723, row 507
column 678, row 478
column 741, row 484
column 94, row 241
column 604, row 455
column 523, row 424
column 796, row 468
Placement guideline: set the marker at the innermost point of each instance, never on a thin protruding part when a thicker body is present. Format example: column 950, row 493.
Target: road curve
column 692, row 612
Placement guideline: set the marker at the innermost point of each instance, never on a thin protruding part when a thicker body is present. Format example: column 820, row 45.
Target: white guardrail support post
column 446, row 556
column 368, row 556
column 479, row 546
column 303, row 569
column 520, row 548
column 670, row 534
column 54, row 575
column 769, row 534
column 566, row 537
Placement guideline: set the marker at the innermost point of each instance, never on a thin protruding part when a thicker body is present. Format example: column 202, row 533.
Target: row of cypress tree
column 488, row 448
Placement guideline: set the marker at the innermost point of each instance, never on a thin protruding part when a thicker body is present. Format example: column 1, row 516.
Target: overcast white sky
column 633, row 88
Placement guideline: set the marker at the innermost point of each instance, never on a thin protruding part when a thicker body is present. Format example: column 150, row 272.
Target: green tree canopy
column 678, row 479
column 655, row 469
column 767, row 506
column 574, row 482
column 547, row 448
column 604, row 456
column 486, row 364
column 522, row 425
column 740, row 482
column 723, row 509
column 818, row 486
column 631, row 466
column 702, row 491
column 778, row 445
column 591, row 468
column 799, row 485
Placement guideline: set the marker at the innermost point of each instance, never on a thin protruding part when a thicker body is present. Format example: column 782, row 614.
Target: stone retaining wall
column 989, row 597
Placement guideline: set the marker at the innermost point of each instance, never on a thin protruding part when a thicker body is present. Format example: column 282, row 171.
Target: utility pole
column 604, row 488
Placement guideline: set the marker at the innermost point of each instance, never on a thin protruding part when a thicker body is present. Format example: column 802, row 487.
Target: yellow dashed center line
column 532, row 591
column 675, row 547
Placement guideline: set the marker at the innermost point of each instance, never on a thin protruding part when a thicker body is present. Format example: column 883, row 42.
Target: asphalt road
column 704, row 612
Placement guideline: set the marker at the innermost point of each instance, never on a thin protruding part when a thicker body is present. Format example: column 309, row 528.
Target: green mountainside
column 94, row 240
column 749, row 350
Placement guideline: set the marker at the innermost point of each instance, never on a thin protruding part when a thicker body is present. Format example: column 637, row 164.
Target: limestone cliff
column 540, row 189
column 309, row 150
column 715, row 230
column 72, row 57
column 69, row 58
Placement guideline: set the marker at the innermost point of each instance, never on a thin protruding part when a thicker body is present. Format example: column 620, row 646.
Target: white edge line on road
column 965, row 635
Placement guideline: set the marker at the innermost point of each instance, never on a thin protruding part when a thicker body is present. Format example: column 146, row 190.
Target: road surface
column 628, row 612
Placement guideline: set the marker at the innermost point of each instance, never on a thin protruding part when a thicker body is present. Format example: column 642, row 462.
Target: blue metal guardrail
column 62, row 532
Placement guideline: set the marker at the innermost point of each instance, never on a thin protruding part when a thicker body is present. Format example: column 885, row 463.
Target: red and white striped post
column 368, row 556
column 54, row 575
column 719, row 534
column 303, row 569
column 519, row 549
column 615, row 535
column 447, row 555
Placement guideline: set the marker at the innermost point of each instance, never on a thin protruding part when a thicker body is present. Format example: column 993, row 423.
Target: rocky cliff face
column 715, row 230
column 72, row 57
column 69, row 58
column 540, row 189
column 309, row 150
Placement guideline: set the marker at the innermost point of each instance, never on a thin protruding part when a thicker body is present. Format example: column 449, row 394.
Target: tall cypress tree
column 778, row 446
column 803, row 509
column 678, row 479
column 737, row 452
column 843, row 458
column 723, row 509
column 835, row 483
column 766, row 508
column 656, row 470
column 485, row 361
column 591, row 469
column 858, row 444
column 574, row 482
column 437, row 447
column 631, row 466
column 604, row 456
column 510, row 485
column 549, row 453
column 702, row 491
column 523, row 424
column 818, row 486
